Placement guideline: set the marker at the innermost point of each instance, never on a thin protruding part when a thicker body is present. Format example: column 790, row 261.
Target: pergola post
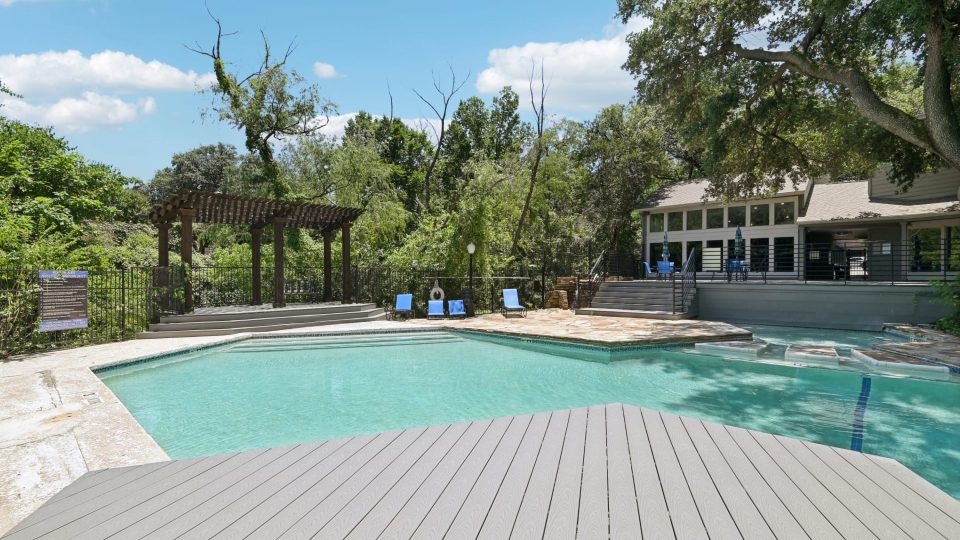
column 327, row 264
column 186, row 255
column 163, row 244
column 347, row 276
column 257, row 276
column 279, row 299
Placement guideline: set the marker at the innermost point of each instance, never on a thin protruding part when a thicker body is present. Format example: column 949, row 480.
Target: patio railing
column 835, row 262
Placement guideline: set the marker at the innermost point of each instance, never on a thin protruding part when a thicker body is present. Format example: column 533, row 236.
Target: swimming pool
column 270, row 392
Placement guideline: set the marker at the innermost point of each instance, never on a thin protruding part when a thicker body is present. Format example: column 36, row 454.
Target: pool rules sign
column 63, row 300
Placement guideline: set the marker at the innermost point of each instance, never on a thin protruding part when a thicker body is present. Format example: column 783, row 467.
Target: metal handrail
column 685, row 278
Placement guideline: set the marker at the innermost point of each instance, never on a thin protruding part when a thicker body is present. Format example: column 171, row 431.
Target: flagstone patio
column 607, row 331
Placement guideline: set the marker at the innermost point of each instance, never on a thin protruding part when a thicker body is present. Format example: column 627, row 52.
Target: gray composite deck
column 606, row 471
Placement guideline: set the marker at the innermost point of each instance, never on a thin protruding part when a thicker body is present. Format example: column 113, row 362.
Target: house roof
column 847, row 201
column 692, row 192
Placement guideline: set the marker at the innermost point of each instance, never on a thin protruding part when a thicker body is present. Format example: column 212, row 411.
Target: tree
column 831, row 77
column 206, row 168
column 5, row 90
column 441, row 109
column 537, row 101
column 269, row 105
column 623, row 150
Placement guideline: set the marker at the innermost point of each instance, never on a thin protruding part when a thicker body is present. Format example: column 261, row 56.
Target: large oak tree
column 767, row 90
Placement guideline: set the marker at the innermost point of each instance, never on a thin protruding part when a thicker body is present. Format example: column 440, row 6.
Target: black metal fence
column 120, row 304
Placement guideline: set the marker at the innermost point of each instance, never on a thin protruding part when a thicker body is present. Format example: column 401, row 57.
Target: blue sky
column 115, row 78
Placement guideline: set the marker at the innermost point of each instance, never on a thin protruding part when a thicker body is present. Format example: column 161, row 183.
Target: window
column 656, row 253
column 675, row 221
column 694, row 220
column 699, row 247
column 759, row 215
column 926, row 256
column 715, row 218
column 737, row 216
column 656, row 222
column 759, row 254
column 783, row 213
column 783, row 254
column 952, row 245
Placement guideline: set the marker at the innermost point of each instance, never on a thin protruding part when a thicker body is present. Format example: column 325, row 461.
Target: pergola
column 256, row 213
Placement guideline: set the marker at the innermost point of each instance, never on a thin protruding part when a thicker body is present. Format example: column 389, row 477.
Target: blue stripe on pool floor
column 856, row 439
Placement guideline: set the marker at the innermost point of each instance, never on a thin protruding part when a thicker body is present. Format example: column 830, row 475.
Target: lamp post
column 471, row 249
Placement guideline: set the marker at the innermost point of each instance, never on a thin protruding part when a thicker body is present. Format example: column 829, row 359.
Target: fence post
column 123, row 303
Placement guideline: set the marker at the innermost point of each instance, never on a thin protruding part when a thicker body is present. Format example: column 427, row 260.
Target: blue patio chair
column 736, row 270
column 511, row 303
column 403, row 306
column 648, row 273
column 455, row 308
column 664, row 269
column 435, row 309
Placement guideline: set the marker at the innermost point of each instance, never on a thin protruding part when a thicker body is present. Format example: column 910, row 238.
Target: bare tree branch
column 441, row 110
column 537, row 103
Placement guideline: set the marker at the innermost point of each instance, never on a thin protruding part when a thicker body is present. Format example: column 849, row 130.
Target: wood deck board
column 605, row 471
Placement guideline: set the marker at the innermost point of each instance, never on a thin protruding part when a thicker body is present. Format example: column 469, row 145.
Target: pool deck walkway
column 613, row 471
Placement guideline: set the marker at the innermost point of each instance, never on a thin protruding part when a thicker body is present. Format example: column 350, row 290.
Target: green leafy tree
column 206, row 168
column 766, row 91
column 623, row 150
column 269, row 105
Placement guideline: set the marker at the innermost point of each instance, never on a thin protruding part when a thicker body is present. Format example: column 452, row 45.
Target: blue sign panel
column 63, row 300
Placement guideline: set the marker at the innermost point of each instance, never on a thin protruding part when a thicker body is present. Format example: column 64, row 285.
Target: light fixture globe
column 471, row 248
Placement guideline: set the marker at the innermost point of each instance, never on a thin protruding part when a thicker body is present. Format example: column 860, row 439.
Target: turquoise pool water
column 270, row 392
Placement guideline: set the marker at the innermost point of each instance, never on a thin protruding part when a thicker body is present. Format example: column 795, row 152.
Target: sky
column 115, row 77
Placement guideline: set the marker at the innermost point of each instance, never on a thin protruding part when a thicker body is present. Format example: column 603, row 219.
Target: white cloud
column 337, row 124
column 582, row 75
column 56, row 73
column 80, row 114
column 325, row 71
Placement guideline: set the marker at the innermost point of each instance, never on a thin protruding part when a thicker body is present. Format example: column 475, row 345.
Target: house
column 816, row 230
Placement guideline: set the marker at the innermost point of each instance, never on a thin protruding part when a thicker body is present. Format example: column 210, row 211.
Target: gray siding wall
column 939, row 185
column 853, row 307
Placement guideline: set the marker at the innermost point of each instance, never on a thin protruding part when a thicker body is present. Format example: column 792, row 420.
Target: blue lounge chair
column 511, row 303
column 435, row 309
column 403, row 306
column 456, row 309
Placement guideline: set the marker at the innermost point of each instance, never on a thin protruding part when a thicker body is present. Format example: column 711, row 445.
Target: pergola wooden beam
column 256, row 213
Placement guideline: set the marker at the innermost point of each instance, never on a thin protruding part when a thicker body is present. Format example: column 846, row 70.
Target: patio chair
column 511, row 303
column 736, row 270
column 664, row 269
column 455, row 308
column 403, row 306
column 435, row 309
column 647, row 271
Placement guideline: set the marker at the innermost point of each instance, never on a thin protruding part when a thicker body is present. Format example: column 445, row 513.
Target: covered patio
column 257, row 214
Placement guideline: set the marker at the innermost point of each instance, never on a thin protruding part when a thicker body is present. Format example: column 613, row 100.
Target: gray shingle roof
column 692, row 192
column 851, row 201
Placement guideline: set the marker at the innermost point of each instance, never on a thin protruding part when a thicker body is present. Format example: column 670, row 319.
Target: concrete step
column 634, row 313
column 636, row 294
column 253, row 313
column 372, row 315
column 266, row 318
column 643, row 306
column 641, row 284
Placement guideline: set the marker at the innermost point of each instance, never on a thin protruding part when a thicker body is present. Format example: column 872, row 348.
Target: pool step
column 221, row 324
column 634, row 313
